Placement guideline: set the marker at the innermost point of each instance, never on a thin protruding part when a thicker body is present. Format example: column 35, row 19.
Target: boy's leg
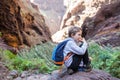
column 75, row 63
column 86, row 58
column 87, row 62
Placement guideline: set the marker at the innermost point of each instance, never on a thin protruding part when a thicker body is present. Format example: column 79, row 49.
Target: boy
column 76, row 51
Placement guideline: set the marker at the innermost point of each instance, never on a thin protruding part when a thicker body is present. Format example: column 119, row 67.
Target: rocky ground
column 31, row 75
column 3, row 72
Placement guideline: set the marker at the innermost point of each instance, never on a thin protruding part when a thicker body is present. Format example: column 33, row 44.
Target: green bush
column 41, row 55
column 114, row 68
column 6, row 55
column 105, row 58
column 38, row 57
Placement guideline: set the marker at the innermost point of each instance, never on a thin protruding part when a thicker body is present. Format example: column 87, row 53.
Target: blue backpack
column 57, row 54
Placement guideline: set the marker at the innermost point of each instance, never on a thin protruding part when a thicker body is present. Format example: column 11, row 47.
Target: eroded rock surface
column 100, row 20
column 93, row 75
column 104, row 27
column 21, row 24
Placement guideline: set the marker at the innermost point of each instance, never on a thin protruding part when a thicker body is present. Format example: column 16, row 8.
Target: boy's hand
column 81, row 39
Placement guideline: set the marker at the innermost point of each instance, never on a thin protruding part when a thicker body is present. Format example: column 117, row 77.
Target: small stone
column 13, row 73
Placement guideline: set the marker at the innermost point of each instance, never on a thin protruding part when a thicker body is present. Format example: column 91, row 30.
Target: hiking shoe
column 70, row 71
column 66, row 72
column 63, row 72
column 87, row 68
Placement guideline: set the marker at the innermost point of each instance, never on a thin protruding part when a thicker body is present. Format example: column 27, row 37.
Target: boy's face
column 77, row 37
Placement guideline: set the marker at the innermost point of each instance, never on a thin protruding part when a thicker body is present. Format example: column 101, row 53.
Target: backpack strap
column 66, row 58
column 68, row 55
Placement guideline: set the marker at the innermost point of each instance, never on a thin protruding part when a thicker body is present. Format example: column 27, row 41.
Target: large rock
column 21, row 24
column 93, row 75
column 83, row 8
column 104, row 27
column 4, row 46
column 100, row 20
column 53, row 11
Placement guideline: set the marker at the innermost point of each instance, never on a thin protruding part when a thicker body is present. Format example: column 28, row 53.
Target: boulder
column 21, row 24
column 93, row 75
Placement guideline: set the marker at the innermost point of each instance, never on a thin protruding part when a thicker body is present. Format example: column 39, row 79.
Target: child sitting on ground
column 78, row 52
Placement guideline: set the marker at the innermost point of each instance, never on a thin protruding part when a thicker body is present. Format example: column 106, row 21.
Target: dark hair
column 73, row 30
column 84, row 30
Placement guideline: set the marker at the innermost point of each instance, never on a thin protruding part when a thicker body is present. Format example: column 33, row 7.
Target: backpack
column 57, row 54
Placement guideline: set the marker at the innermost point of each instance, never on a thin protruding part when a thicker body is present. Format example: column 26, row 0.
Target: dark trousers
column 77, row 60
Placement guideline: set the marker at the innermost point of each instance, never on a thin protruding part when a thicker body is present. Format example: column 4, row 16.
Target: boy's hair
column 73, row 30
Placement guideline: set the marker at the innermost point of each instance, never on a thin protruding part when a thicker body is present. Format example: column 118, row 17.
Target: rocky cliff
column 21, row 24
column 98, row 18
column 53, row 11
column 104, row 27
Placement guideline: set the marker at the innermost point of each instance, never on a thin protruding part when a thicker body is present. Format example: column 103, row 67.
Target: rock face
column 100, row 20
column 53, row 11
column 21, row 24
column 104, row 27
column 4, row 46
column 82, row 8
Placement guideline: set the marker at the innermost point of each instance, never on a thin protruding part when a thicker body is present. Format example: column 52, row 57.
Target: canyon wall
column 99, row 19
column 21, row 24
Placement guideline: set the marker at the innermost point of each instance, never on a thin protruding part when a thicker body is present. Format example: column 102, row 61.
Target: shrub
column 38, row 57
column 105, row 58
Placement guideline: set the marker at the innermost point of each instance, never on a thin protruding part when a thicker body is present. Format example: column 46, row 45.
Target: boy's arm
column 73, row 47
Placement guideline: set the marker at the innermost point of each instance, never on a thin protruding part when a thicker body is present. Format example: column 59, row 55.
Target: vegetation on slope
column 39, row 58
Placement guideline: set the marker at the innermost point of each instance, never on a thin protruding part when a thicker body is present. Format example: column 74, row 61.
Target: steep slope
column 53, row 11
column 100, row 20
column 21, row 24
column 104, row 27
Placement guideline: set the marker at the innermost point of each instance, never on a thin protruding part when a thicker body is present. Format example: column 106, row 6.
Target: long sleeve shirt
column 73, row 47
